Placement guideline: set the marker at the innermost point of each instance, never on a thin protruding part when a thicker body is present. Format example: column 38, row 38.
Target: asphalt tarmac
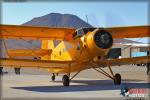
column 88, row 85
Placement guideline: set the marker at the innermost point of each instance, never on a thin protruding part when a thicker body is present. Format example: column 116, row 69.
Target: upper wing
column 32, row 32
column 124, row 61
column 130, row 31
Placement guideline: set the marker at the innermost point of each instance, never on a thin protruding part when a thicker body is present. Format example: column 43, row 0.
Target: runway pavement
column 89, row 84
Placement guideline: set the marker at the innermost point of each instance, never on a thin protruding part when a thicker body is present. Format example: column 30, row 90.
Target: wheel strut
column 53, row 77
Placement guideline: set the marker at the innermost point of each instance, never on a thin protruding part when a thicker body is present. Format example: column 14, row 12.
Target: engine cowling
column 99, row 42
column 103, row 39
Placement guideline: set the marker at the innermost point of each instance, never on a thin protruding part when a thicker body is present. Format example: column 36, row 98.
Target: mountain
column 58, row 20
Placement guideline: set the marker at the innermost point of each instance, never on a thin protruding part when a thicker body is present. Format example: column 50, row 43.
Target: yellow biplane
column 78, row 50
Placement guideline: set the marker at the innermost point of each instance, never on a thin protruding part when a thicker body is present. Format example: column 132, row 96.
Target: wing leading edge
column 129, row 32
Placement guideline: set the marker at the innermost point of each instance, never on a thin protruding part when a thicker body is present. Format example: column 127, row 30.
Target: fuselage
column 84, row 48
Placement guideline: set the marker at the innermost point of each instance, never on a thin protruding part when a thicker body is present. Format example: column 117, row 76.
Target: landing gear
column 17, row 71
column 53, row 77
column 65, row 80
column 1, row 70
column 117, row 79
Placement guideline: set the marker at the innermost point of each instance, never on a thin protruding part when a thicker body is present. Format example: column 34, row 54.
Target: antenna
column 86, row 19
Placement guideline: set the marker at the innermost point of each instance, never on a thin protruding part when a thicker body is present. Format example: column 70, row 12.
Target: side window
column 68, row 46
column 78, row 33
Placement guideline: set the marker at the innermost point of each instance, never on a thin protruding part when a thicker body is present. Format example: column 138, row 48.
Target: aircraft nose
column 103, row 39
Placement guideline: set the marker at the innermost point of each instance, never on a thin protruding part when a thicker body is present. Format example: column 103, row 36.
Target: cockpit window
column 81, row 32
column 78, row 33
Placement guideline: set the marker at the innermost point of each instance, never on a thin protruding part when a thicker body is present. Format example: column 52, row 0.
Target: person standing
column 148, row 64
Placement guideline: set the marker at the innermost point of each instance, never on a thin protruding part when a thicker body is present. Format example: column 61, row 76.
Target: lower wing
column 54, row 66
column 124, row 61
column 28, row 52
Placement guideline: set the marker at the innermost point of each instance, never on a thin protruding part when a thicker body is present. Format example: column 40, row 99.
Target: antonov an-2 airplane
column 78, row 50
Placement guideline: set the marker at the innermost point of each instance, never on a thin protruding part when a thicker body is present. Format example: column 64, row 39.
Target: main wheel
column 17, row 71
column 65, row 80
column 117, row 79
column 53, row 77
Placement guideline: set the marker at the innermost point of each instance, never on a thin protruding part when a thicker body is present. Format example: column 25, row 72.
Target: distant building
column 127, row 49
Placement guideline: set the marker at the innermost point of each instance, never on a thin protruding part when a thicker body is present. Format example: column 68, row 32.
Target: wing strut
column 110, row 69
column 116, row 78
column 5, row 45
column 94, row 66
column 75, row 75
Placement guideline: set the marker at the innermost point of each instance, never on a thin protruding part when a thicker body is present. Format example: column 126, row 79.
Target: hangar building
column 126, row 48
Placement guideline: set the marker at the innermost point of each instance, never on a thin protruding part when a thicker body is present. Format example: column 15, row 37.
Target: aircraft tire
column 53, row 78
column 65, row 80
column 117, row 79
column 17, row 71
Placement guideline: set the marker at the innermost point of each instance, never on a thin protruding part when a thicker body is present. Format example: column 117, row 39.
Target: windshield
column 82, row 31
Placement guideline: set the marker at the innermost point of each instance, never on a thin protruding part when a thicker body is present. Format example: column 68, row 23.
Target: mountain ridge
column 58, row 20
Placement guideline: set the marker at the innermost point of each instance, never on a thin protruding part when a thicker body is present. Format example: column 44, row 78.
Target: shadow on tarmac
column 86, row 85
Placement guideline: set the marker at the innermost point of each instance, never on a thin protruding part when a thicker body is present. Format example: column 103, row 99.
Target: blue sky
column 100, row 14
